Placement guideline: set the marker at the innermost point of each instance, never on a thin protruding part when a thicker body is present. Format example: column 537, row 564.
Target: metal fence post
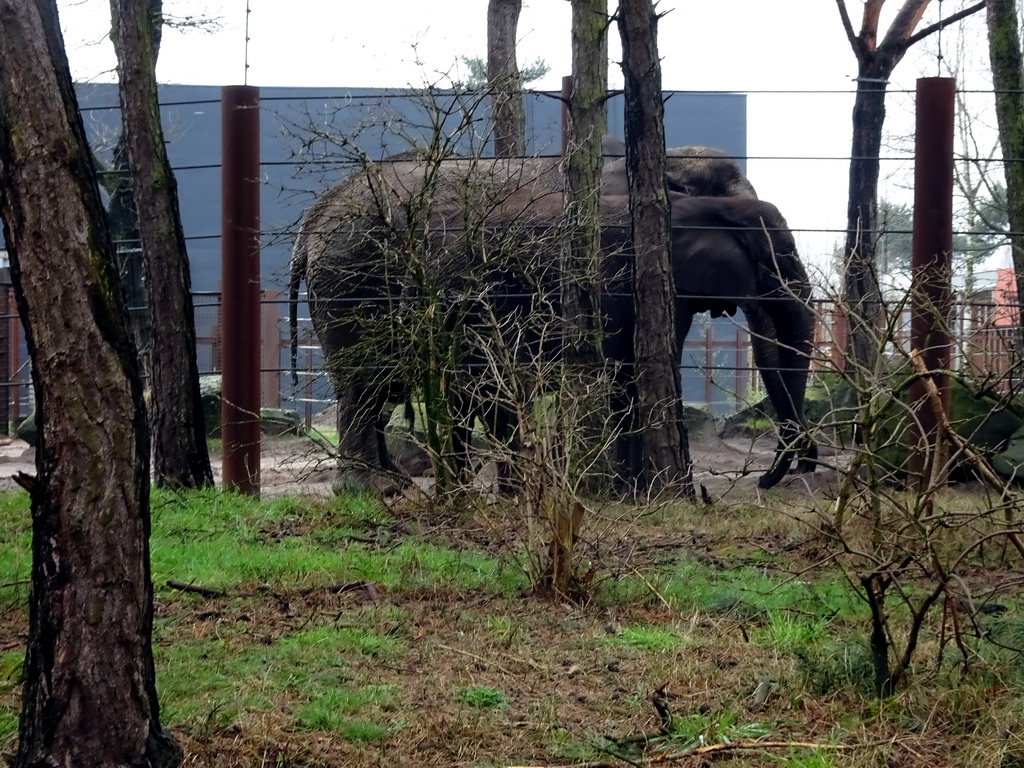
column 240, row 286
column 931, row 291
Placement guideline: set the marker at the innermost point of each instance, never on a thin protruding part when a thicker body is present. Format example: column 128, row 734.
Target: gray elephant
column 480, row 239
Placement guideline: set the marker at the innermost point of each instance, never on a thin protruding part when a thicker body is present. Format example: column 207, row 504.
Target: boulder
column 209, row 390
column 1009, row 462
column 27, row 430
column 278, row 422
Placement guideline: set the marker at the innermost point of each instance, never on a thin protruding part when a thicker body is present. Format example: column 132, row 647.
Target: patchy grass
column 347, row 633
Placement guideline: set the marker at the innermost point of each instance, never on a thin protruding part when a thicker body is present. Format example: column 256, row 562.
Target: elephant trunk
column 298, row 269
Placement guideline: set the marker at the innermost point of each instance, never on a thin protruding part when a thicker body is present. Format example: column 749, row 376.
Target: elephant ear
column 691, row 171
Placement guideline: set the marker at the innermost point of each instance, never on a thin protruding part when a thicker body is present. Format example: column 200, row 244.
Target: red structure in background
column 1006, row 311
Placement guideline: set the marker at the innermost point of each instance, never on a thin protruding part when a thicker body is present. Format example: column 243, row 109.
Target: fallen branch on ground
column 366, row 586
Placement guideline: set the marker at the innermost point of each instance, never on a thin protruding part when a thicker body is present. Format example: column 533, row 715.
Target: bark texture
column 180, row 456
column 663, row 438
column 504, row 78
column 89, row 694
column 1008, row 80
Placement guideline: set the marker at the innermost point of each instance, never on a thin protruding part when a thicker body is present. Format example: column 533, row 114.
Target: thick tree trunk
column 663, row 438
column 1008, row 79
column 504, row 78
column 89, row 695
column 180, row 455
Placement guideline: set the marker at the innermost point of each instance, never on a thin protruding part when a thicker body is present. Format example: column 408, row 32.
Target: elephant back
column 694, row 171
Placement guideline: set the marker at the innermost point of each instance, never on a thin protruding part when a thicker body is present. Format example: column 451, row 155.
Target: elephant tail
column 298, row 270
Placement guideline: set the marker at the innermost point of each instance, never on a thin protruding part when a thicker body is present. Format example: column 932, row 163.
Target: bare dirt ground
column 727, row 468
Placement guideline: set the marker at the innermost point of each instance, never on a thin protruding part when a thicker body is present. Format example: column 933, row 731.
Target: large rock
column 983, row 422
column 27, row 430
column 209, row 390
column 279, row 422
column 1010, row 461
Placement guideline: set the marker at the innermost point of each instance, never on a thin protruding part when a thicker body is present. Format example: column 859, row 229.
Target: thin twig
column 478, row 658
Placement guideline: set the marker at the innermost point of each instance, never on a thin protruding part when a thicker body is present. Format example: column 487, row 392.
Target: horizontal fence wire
column 983, row 313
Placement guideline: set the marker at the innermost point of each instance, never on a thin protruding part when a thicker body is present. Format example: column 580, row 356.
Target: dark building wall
column 311, row 136
column 307, row 135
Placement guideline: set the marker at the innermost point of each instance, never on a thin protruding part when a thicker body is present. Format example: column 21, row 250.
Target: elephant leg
column 500, row 423
column 784, row 372
column 795, row 329
column 808, row 456
column 364, row 463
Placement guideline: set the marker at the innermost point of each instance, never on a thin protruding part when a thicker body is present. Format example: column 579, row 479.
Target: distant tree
column 976, row 238
column 504, row 78
column 1007, row 63
column 876, row 60
column 180, row 455
column 664, row 445
column 477, row 79
column 89, row 696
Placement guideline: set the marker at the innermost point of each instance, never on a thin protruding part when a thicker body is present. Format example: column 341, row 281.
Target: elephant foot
column 772, row 477
column 808, row 459
column 379, row 482
column 779, row 469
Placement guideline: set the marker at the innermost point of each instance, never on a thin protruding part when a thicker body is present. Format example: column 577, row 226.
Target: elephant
column 466, row 228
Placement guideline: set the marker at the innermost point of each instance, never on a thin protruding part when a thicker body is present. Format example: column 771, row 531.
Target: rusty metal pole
column 240, row 287
column 931, row 281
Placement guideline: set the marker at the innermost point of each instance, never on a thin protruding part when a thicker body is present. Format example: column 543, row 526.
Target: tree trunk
column 89, row 696
column 588, row 116
column 180, row 455
column 663, row 438
column 1008, row 81
column 504, row 78
column 876, row 60
column 581, row 418
column 862, row 293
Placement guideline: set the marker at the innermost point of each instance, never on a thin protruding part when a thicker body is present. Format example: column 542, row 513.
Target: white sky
column 734, row 45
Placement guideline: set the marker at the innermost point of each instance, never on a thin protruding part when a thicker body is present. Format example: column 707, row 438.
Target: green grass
column 482, row 697
column 201, row 680
column 338, row 711
column 648, row 638
column 697, row 730
column 230, row 542
column 15, row 545
column 454, row 652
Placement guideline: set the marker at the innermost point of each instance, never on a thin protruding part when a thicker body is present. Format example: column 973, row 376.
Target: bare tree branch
column 851, row 34
column 952, row 19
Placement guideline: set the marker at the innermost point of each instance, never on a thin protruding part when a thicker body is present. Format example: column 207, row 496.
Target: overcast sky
column 749, row 46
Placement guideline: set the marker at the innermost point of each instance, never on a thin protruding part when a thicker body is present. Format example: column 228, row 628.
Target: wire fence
column 717, row 362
